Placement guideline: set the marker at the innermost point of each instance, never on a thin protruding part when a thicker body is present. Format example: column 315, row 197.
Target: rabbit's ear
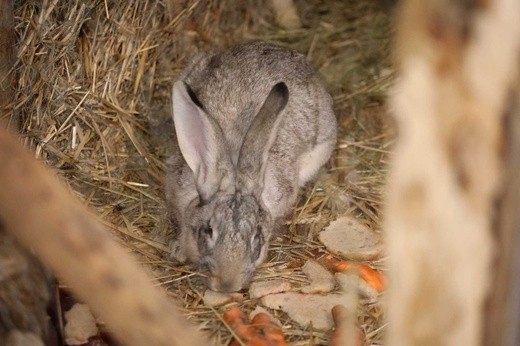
column 260, row 136
column 197, row 135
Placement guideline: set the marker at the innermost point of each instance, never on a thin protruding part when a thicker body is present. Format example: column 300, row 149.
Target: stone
column 80, row 325
column 307, row 309
column 349, row 238
column 259, row 289
column 322, row 281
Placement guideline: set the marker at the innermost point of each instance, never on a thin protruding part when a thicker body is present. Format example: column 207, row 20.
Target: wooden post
column 43, row 215
column 458, row 61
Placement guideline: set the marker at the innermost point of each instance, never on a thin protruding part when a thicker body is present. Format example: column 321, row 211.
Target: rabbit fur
column 253, row 124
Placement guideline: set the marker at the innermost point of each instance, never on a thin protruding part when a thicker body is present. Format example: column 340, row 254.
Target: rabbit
column 253, row 124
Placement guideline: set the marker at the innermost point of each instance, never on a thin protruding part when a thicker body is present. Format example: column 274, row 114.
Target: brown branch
column 65, row 236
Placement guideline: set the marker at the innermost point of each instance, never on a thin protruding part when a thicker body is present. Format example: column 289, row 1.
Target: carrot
column 262, row 319
column 262, row 331
column 237, row 321
column 374, row 278
column 267, row 327
column 341, row 266
column 235, row 317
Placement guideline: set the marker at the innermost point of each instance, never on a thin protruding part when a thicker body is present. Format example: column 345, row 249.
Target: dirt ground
column 94, row 99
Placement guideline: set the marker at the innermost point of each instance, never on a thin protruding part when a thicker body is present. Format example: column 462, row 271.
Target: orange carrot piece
column 341, row 266
column 263, row 332
column 373, row 277
column 236, row 319
column 273, row 333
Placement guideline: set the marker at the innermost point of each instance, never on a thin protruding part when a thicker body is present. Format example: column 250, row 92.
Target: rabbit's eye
column 257, row 242
column 259, row 235
column 207, row 237
column 208, row 231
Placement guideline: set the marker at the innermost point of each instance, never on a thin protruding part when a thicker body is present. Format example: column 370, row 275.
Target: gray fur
column 253, row 124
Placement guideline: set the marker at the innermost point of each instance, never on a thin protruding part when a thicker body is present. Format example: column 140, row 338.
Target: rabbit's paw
column 178, row 252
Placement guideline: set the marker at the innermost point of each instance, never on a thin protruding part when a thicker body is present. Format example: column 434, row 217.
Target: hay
column 94, row 81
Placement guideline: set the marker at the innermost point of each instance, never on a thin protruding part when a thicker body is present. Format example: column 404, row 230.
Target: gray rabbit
column 253, row 124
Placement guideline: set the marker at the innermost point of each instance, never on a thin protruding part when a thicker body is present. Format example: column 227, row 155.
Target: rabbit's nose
column 229, row 286
column 218, row 285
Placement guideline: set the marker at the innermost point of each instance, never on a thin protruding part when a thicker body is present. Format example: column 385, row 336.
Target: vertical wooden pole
column 458, row 61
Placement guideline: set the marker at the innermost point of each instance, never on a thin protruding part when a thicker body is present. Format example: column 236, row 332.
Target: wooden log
column 25, row 285
column 457, row 62
column 43, row 215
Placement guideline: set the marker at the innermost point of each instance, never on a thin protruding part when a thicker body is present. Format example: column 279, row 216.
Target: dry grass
column 93, row 94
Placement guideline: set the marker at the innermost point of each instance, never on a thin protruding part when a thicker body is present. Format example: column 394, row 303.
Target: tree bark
column 43, row 215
